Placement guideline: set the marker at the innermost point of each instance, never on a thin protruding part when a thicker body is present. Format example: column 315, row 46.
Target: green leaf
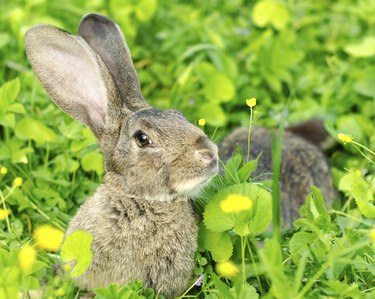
column 218, row 87
column 272, row 261
column 269, row 12
column 88, row 139
column 219, row 244
column 185, row 75
column 341, row 289
column 214, row 114
column 8, row 120
column 299, row 244
column 363, row 196
column 243, row 290
column 77, row 248
column 349, row 124
column 365, row 87
column 93, row 161
column 29, row 128
column 254, row 220
column 10, row 282
column 247, row 169
column 146, row 9
column 5, row 38
column 65, row 163
column 8, row 93
column 17, row 108
column 363, row 49
column 15, row 151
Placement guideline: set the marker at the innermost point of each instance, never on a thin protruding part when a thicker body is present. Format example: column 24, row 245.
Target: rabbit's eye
column 142, row 139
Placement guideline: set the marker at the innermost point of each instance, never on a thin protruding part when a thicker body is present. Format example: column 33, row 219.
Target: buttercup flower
column 345, row 138
column 17, row 182
column 4, row 214
column 60, row 292
column 236, row 203
column 227, row 269
column 251, row 102
column 48, row 237
column 201, row 122
column 3, row 170
column 26, row 257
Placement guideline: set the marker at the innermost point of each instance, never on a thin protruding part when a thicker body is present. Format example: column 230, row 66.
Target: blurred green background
column 201, row 57
column 206, row 57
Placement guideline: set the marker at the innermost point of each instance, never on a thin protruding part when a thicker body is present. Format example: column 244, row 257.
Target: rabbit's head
column 153, row 153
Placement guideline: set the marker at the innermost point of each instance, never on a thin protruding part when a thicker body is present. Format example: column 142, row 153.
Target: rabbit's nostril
column 207, row 155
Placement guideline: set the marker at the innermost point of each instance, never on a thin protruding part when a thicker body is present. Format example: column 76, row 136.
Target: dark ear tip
column 95, row 18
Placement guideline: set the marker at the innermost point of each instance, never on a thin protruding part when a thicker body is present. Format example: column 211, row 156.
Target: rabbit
column 303, row 163
column 141, row 217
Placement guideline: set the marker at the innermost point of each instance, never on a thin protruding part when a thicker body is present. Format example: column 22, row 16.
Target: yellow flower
column 26, row 257
column 48, row 237
column 60, row 292
column 17, row 182
column 67, row 267
column 236, row 203
column 227, row 269
column 202, row 122
column 251, row 102
column 345, row 138
column 372, row 235
column 3, row 170
column 4, row 214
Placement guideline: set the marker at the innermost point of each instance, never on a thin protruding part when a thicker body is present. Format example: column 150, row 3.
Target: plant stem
column 249, row 134
column 254, row 265
column 364, row 147
column 243, row 259
column 357, row 145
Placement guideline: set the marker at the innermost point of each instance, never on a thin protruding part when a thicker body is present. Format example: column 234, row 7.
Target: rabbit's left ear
column 74, row 77
column 105, row 37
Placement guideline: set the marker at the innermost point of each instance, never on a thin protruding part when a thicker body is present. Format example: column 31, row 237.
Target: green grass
column 205, row 58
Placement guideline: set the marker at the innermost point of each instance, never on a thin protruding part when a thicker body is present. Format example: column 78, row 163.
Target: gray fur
column 105, row 37
column 141, row 219
column 303, row 165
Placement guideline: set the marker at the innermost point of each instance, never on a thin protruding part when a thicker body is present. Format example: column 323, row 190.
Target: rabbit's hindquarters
column 303, row 165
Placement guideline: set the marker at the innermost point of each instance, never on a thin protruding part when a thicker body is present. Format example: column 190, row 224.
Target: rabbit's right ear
column 106, row 38
column 74, row 77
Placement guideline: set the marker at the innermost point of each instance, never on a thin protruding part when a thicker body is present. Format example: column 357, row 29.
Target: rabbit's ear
column 74, row 76
column 105, row 37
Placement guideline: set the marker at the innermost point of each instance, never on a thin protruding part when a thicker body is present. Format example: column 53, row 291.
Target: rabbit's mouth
column 192, row 186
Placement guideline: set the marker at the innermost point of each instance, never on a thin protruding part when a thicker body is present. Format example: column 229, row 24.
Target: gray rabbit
column 303, row 162
column 142, row 222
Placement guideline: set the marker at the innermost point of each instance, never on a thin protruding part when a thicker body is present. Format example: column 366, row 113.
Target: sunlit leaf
column 270, row 12
column 30, row 128
column 363, row 49
column 219, row 244
column 76, row 249
column 93, row 161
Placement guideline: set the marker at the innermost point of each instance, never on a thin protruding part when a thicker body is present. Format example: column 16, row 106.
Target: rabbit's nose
column 206, row 155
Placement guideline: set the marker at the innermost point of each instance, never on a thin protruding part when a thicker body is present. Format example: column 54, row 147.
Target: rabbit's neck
column 119, row 185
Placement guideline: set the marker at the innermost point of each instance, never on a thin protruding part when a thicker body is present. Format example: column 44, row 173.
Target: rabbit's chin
column 191, row 188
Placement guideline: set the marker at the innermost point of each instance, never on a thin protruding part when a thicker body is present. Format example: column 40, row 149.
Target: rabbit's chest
column 149, row 229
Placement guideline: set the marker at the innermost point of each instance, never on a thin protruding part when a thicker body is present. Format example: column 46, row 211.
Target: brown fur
column 142, row 222
column 303, row 165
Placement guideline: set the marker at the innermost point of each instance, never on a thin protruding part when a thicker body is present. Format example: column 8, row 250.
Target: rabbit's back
column 303, row 165
column 155, row 240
